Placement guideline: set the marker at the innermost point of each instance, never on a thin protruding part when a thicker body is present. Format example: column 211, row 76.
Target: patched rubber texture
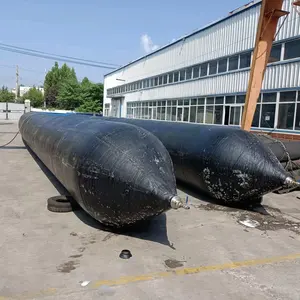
column 60, row 204
column 227, row 163
column 118, row 173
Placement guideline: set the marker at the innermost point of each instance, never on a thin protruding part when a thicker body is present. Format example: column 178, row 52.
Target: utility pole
column 270, row 13
column 45, row 104
column 17, row 83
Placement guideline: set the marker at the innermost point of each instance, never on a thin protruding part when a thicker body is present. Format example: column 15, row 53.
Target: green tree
column 92, row 96
column 56, row 79
column 6, row 95
column 69, row 96
column 35, row 96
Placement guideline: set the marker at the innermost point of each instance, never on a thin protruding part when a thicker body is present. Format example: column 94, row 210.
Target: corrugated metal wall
column 277, row 77
column 230, row 36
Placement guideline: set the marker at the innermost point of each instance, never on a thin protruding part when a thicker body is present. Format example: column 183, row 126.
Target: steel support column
column 270, row 13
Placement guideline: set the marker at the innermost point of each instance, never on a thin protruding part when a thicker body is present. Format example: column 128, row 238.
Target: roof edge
column 231, row 14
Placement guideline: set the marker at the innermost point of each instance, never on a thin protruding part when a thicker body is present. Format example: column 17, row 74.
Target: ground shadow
column 196, row 193
column 12, row 147
column 58, row 186
column 154, row 230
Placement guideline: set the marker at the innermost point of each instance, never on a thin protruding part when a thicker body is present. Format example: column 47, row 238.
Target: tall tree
column 6, row 95
column 92, row 96
column 35, row 96
column 69, row 96
column 55, row 79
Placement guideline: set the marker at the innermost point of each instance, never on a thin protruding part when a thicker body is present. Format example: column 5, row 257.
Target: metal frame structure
column 270, row 13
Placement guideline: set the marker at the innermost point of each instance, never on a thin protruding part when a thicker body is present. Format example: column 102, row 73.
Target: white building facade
column 24, row 89
column 203, row 77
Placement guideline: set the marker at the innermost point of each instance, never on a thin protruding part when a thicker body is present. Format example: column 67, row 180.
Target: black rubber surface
column 290, row 147
column 59, row 204
column 225, row 162
column 118, row 173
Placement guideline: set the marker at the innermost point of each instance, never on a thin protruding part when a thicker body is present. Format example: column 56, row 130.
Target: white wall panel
column 224, row 84
column 230, row 36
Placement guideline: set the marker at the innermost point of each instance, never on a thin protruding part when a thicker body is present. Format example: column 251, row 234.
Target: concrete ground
column 201, row 253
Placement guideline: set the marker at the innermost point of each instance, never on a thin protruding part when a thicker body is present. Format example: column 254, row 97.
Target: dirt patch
column 68, row 266
column 269, row 222
column 75, row 256
column 264, row 217
column 173, row 263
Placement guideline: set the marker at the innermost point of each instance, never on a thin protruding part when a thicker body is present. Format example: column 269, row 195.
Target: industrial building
column 203, row 76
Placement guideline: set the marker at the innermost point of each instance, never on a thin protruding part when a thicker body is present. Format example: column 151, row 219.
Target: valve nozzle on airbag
column 176, row 203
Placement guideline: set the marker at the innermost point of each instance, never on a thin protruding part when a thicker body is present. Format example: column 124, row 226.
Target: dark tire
column 60, row 204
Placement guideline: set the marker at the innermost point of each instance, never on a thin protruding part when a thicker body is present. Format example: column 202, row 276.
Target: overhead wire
column 58, row 55
column 56, row 58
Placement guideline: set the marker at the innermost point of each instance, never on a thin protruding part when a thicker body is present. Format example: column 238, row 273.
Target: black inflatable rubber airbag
column 228, row 163
column 118, row 173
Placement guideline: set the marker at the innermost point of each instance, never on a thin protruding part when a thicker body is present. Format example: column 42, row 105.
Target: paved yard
column 201, row 253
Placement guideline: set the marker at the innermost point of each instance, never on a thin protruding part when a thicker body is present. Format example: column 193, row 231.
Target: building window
column 200, row 114
column 193, row 114
column 218, row 114
column 268, row 110
column 171, row 77
column 275, row 54
column 229, row 99
column 219, row 100
column 297, row 124
column 245, row 60
column 169, row 114
column 194, row 101
column 292, row 49
column 222, row 65
column 209, row 114
column 165, row 79
column 210, row 100
column 201, row 101
column 233, row 63
column 182, row 75
column 186, row 111
column 160, row 80
column 213, row 67
column 204, row 70
column 106, row 109
column 286, row 116
column 196, row 72
column 156, row 81
column 267, row 115
column 286, row 110
column 240, row 98
column 269, row 97
column 176, row 76
column 255, row 121
column 188, row 74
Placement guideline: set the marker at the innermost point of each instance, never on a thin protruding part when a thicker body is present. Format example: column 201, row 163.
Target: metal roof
column 230, row 14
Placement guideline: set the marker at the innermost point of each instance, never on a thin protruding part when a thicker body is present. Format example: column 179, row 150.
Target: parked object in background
column 118, row 173
column 284, row 150
column 227, row 163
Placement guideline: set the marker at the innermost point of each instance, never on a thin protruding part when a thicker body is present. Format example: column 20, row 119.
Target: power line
column 24, row 69
column 58, row 55
column 55, row 58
